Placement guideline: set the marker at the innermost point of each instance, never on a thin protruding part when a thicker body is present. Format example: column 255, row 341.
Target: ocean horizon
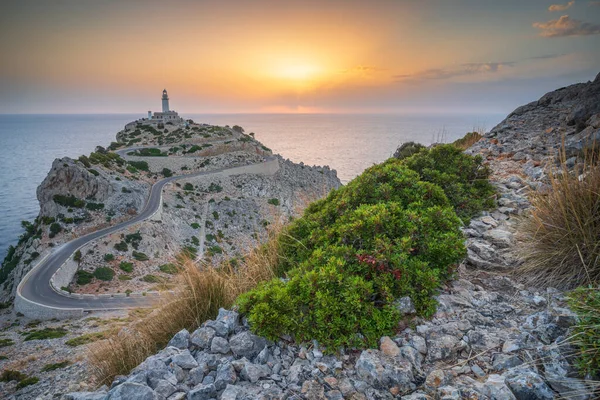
column 348, row 143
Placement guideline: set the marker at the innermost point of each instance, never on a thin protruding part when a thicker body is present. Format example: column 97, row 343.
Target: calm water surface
column 347, row 143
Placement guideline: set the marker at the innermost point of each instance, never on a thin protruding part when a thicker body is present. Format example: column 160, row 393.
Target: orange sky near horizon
column 270, row 56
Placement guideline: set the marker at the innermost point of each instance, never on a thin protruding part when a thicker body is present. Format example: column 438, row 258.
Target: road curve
column 36, row 286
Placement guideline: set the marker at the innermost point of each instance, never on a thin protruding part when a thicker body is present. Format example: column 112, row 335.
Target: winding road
column 36, row 287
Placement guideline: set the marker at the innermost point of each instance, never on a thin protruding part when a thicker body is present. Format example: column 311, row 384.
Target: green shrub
column 150, row 152
column 189, row 252
column 215, row 188
column 385, row 235
column 275, row 202
column 468, row 140
column 32, row 380
column 104, row 273
column 94, row 206
column 140, row 256
column 167, row 172
column 171, row 269
column 134, row 239
column 46, row 333
column 151, row 278
column 6, row 342
column 463, row 178
column 93, row 172
column 188, row 186
column 68, row 201
column 12, row 375
column 55, row 228
column 407, row 149
column 85, row 339
column 121, row 246
column 55, row 366
column 125, row 277
column 126, row 266
column 109, row 257
column 215, row 215
column 77, row 256
column 586, row 333
column 139, row 165
column 83, row 277
column 212, row 250
column 195, row 225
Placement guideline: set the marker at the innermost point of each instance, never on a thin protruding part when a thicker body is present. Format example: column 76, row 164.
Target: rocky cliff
column 490, row 338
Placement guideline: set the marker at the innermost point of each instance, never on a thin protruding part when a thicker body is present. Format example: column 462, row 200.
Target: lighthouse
column 165, row 101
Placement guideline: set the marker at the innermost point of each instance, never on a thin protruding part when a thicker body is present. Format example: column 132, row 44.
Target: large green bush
column 385, row 235
column 463, row 178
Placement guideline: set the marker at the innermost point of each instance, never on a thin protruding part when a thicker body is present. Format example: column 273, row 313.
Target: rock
column 231, row 392
column 448, row 393
column 436, row 379
column 181, row 340
column 441, row 348
column 263, row 356
column 220, row 328
column 219, row 345
column 131, row 391
column 526, row 384
column 313, row 390
column 334, row 395
column 254, row 372
column 203, row 337
column 225, row 375
column 405, row 305
column 86, row 396
column 164, row 389
column 418, row 343
column 388, row 347
column 502, row 361
column 202, row 392
column 384, row 372
column 184, row 360
column 499, row 237
column 495, row 388
column 195, row 376
column 478, row 371
column 245, row 344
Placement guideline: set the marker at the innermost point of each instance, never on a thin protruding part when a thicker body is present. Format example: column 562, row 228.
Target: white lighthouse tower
column 165, row 101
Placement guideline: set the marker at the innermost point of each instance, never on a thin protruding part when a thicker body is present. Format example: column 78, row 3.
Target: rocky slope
column 491, row 337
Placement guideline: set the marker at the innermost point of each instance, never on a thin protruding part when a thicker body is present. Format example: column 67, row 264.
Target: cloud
column 362, row 70
column 594, row 3
column 565, row 26
column 561, row 7
column 467, row 69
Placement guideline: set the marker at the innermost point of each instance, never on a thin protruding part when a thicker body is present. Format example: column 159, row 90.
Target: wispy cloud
column 362, row 70
column 561, row 7
column 594, row 3
column 467, row 69
column 565, row 26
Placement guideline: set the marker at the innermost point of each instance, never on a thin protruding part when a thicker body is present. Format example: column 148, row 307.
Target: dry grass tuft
column 201, row 291
column 560, row 239
column 469, row 139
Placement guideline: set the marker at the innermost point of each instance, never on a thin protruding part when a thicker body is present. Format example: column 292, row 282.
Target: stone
column 334, row 395
column 436, row 379
column 263, row 356
column 478, row 371
column 405, row 305
column 231, row 392
column 499, row 237
column 221, row 329
column 384, row 372
column 254, row 372
column 202, row 392
column 181, row 340
column 219, row 345
column 442, row 348
column 388, row 347
column 131, row 391
column 501, row 361
column 495, row 388
column 184, row 360
column 86, row 396
column 202, row 337
column 229, row 318
column 164, row 389
column 225, row 375
column 195, row 376
column 448, row 393
column 418, row 343
column 313, row 390
column 246, row 344
column 526, row 384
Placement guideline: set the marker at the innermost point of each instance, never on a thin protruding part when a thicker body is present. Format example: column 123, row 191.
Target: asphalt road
column 37, row 286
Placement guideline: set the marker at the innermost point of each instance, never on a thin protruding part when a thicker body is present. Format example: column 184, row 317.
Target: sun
column 299, row 72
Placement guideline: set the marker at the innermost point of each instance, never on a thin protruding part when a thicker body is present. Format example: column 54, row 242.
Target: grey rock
column 405, row 305
column 501, row 361
column 385, row 372
column 219, row 345
column 221, row 329
column 495, row 388
column 203, row 337
column 442, row 348
column 229, row 318
column 210, row 360
column 131, row 391
column 499, row 237
column 232, row 392
column 418, row 343
column 416, row 396
column 184, row 360
column 527, row 385
column 202, row 392
column 195, row 376
column 181, row 340
column 254, row 372
column 478, row 371
column 164, row 389
column 246, row 344
column 448, row 393
column 85, row 396
column 334, row 395
column 263, row 356
column 225, row 375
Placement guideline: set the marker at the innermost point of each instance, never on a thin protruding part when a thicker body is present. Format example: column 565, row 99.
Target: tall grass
column 201, row 291
column 560, row 240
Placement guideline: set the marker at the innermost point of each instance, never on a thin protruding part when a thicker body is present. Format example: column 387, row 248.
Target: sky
column 288, row 56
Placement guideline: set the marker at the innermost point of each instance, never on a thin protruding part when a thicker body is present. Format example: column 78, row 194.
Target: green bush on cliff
column 586, row 333
column 68, row 201
column 385, row 235
column 463, row 178
column 139, row 165
column 104, row 274
column 83, row 277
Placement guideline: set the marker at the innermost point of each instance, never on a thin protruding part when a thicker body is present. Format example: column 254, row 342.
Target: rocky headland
column 491, row 336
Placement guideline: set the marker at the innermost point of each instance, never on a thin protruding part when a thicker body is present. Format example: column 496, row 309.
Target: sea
column 348, row 143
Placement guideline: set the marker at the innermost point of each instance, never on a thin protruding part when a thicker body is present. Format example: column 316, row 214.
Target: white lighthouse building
column 167, row 115
column 165, row 101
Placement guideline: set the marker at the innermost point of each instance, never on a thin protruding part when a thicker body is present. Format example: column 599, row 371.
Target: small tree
column 77, row 256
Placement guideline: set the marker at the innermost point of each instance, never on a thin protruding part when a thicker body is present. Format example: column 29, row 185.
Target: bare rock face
column 68, row 177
